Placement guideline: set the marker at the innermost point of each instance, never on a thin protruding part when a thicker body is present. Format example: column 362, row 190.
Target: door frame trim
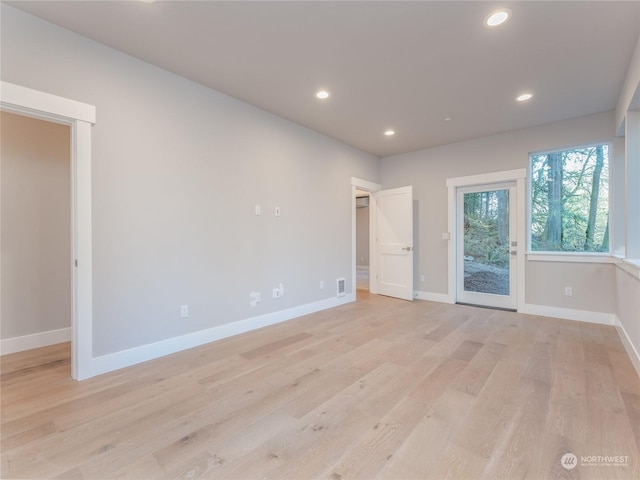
column 80, row 117
column 367, row 186
column 519, row 177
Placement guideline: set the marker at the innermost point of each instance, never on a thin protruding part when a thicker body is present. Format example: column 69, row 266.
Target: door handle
column 408, row 249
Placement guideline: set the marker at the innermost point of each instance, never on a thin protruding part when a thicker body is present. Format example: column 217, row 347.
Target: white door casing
column 394, row 233
column 366, row 185
column 519, row 177
column 80, row 117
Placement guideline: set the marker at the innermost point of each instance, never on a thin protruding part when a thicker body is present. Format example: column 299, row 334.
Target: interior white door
column 486, row 246
column 394, row 233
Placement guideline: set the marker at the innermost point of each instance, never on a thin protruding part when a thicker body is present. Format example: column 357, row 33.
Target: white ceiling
column 387, row 64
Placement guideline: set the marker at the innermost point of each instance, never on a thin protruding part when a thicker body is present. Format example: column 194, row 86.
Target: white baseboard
column 35, row 340
column 433, row 297
column 632, row 352
column 569, row 314
column 133, row 356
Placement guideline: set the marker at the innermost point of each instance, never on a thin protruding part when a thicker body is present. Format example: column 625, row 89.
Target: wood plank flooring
column 376, row 389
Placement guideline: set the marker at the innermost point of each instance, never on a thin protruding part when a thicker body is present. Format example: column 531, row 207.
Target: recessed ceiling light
column 148, row 1
column 447, row 119
column 390, row 133
column 524, row 97
column 498, row 17
column 322, row 94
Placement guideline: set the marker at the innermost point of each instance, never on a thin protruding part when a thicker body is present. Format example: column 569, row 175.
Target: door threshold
column 487, row 306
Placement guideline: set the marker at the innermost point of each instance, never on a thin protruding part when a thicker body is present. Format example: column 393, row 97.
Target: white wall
column 36, row 226
column 428, row 170
column 177, row 171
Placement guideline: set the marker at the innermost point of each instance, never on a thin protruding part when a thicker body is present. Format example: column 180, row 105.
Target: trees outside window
column 570, row 200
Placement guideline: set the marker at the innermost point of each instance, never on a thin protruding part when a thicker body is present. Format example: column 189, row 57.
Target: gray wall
column 36, row 226
column 628, row 305
column 177, row 171
column 428, row 170
column 362, row 236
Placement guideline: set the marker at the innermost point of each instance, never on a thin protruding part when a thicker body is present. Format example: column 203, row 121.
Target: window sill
column 629, row 265
column 571, row 257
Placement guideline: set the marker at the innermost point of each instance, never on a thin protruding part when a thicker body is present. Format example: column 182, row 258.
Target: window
column 570, row 200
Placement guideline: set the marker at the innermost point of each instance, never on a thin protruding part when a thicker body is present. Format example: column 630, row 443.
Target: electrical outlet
column 568, row 291
column 258, row 210
column 321, row 284
column 422, row 278
column 256, row 297
column 184, row 311
column 278, row 291
column 277, row 211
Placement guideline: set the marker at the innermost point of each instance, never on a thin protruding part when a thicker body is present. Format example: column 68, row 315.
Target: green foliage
column 584, row 205
column 481, row 229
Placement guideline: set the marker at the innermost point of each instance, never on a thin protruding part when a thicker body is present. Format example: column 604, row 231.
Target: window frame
column 566, row 256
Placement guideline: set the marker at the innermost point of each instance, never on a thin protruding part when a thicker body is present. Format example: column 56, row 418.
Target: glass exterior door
column 486, row 246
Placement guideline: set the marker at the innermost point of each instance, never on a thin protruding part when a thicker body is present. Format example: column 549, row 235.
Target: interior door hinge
column 76, row 262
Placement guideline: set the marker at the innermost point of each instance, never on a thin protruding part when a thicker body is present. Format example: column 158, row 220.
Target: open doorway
column 80, row 117
column 390, row 239
column 363, row 279
column 36, row 230
column 362, row 240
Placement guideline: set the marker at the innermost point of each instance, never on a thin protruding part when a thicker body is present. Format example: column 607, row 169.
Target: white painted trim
column 601, row 318
column 133, row 356
column 634, row 355
column 521, row 237
column 632, row 179
column 451, row 247
column 570, row 257
column 486, row 178
column 25, row 99
column 365, row 184
column 80, row 117
column 629, row 90
column 632, row 267
column 433, row 297
column 82, row 320
column 35, row 340
column 354, row 229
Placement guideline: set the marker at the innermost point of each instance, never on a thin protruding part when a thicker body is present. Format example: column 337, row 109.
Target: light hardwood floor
column 376, row 389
